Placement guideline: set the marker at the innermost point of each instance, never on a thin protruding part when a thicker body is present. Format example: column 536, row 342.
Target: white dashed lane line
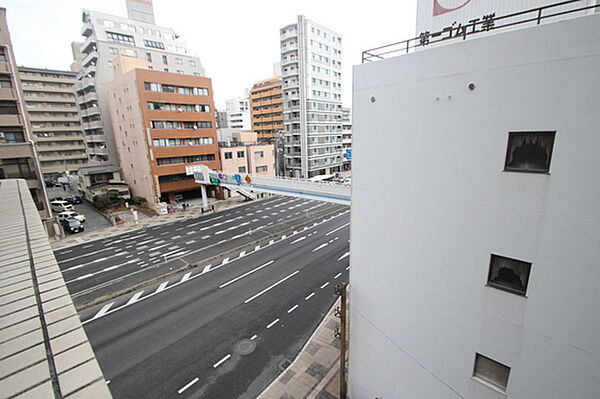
column 290, row 310
column 325, row 285
column 220, row 362
column 189, row 384
column 271, row 324
column 310, row 296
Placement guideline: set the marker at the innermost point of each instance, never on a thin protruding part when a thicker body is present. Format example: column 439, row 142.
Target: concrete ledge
column 45, row 352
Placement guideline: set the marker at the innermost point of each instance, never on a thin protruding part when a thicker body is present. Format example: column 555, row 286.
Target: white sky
column 237, row 41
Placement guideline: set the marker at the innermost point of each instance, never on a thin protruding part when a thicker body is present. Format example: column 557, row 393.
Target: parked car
column 74, row 199
column 71, row 215
column 72, row 225
column 61, row 206
column 57, row 199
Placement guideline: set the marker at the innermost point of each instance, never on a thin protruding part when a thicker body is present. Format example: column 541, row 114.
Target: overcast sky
column 237, row 41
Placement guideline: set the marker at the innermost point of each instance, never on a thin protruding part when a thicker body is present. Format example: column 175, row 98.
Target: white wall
column 461, row 11
column 432, row 204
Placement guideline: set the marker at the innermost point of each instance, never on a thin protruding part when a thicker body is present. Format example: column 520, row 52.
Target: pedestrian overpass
column 247, row 185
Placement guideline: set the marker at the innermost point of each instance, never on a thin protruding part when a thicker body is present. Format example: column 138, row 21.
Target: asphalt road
column 224, row 331
column 95, row 263
column 94, row 220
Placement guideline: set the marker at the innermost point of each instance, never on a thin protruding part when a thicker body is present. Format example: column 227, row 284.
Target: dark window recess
column 11, row 137
column 154, row 44
column 228, row 155
column 3, row 53
column 171, row 178
column 120, row 38
column 188, row 159
column 241, row 154
column 509, row 274
column 8, row 107
column 529, row 152
column 491, row 372
column 16, row 168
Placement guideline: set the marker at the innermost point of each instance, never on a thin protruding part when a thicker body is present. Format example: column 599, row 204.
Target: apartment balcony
column 60, row 157
column 290, row 85
column 60, row 147
column 291, row 96
column 97, row 151
column 92, row 125
column 86, row 29
column 289, row 47
column 95, row 138
column 91, row 58
column 4, row 67
column 87, row 82
column 288, row 35
column 88, row 45
column 268, row 111
column 289, row 60
column 58, row 138
column 89, row 71
column 10, row 120
column 325, row 154
column 293, row 72
column 8, row 94
column 90, row 111
column 91, row 96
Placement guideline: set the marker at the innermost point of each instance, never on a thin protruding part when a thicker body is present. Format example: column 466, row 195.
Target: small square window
column 509, row 274
column 492, row 372
column 228, row 155
column 529, row 152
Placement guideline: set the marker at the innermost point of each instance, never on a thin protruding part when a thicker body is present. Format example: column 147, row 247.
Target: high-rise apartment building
column 107, row 36
column 347, row 138
column 311, row 64
column 18, row 159
column 266, row 108
column 483, row 280
column 163, row 122
column 50, row 103
column 238, row 113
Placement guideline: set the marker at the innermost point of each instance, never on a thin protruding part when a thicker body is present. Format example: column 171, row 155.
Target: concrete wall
column 440, row 202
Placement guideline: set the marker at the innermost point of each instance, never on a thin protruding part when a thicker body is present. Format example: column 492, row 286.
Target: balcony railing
column 475, row 26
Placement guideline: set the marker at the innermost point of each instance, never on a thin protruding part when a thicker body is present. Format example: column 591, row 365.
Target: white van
column 61, row 206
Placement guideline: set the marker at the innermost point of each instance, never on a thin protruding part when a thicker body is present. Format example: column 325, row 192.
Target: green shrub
column 102, row 203
column 139, row 201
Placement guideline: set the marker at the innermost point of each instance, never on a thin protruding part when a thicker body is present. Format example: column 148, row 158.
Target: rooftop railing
column 474, row 26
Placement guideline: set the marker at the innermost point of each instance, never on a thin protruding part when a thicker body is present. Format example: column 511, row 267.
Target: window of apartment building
column 241, row 169
column 529, row 152
column 180, row 71
column 165, row 60
column 5, row 82
column 241, row 154
column 178, row 61
column 11, row 137
column 491, row 372
column 259, row 154
column 188, row 159
column 166, row 69
column 228, row 155
column 8, row 107
column 15, row 168
column 183, row 142
column 3, row 53
column 508, row 274
column 192, row 63
column 261, row 169
column 113, row 50
column 149, row 57
column 180, row 125
column 120, row 38
column 154, row 44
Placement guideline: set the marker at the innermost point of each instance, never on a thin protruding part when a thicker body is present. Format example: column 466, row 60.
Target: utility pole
column 340, row 290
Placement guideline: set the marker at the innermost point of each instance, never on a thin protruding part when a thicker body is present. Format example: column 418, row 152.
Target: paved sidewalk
column 315, row 374
column 145, row 221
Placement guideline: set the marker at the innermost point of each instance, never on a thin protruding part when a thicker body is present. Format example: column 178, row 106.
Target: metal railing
column 486, row 23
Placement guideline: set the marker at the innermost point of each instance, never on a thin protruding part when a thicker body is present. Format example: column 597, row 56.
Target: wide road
column 226, row 331
column 93, row 264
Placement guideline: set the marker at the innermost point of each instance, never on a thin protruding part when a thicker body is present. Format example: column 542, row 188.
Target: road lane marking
column 271, row 287
column 175, row 237
column 107, row 269
column 299, row 239
column 190, row 242
column 65, row 252
column 310, row 296
column 325, row 285
column 245, row 274
column 206, row 269
column 186, row 277
column 83, row 277
column 205, row 237
column 225, row 261
column 252, row 338
column 103, row 311
column 135, row 298
column 320, row 246
column 181, row 228
column 161, row 287
column 348, row 268
column 189, row 384
column 344, row 255
column 87, row 246
column 220, row 362
column 290, row 310
column 271, row 324
column 337, row 275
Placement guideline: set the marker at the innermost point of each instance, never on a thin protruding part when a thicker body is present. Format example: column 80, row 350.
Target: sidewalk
column 315, row 374
column 145, row 221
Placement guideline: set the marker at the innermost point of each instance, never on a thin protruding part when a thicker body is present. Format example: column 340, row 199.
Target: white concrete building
column 482, row 280
column 107, row 36
column 238, row 113
column 311, row 68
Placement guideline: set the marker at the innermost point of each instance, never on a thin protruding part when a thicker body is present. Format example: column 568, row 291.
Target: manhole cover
column 245, row 347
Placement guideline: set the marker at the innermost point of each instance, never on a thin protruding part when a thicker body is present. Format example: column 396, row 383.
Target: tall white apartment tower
column 238, row 113
column 107, row 36
column 311, row 68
